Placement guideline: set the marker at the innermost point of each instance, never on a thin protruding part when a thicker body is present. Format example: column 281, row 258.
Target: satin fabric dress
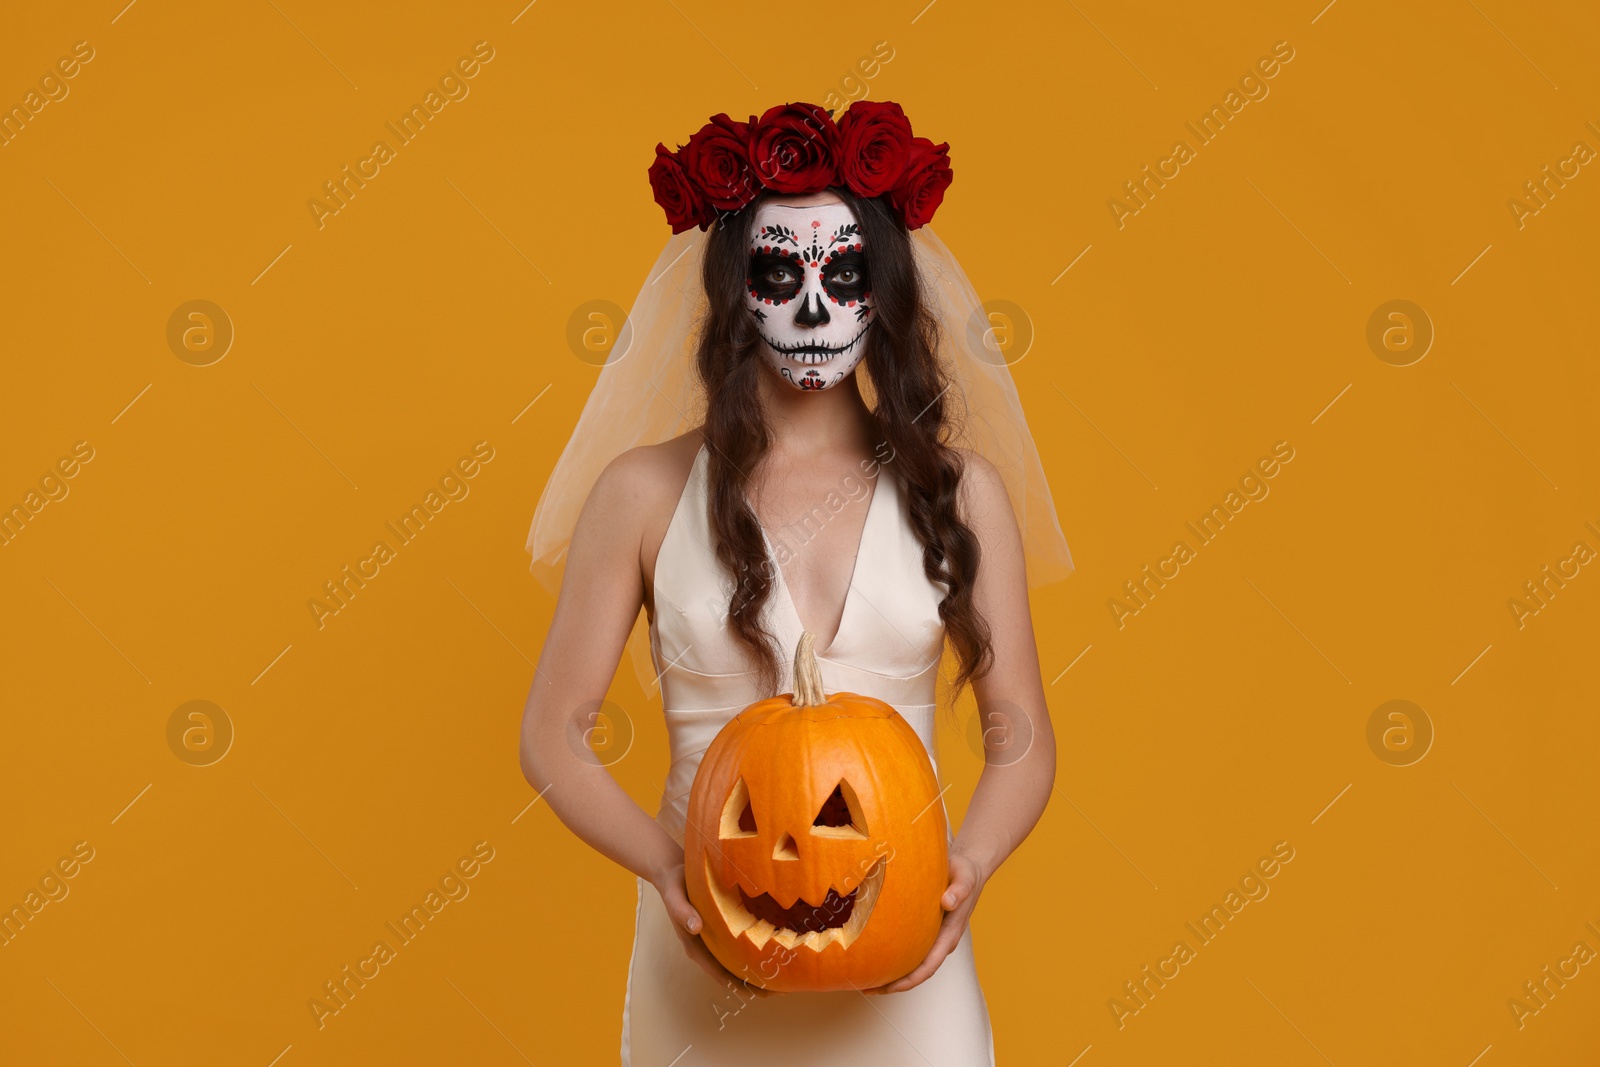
column 888, row 645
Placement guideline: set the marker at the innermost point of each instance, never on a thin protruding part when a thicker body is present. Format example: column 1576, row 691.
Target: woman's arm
column 601, row 593
column 1019, row 745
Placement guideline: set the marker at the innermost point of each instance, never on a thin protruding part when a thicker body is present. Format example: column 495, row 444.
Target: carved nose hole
column 786, row 849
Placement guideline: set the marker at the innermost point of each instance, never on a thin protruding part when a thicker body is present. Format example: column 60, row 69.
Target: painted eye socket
column 845, row 277
column 775, row 277
column 840, row 815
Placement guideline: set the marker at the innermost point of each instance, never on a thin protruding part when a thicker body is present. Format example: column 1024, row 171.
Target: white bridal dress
column 888, row 645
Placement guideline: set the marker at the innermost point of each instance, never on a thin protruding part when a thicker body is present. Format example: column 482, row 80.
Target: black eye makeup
column 844, row 277
column 775, row 276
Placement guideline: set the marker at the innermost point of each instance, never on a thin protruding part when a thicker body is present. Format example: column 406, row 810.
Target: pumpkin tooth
column 822, row 940
column 734, row 913
column 761, row 933
column 866, row 897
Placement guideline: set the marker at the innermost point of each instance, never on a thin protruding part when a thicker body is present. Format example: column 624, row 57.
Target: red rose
column 921, row 187
column 676, row 194
column 874, row 142
column 717, row 161
column 793, row 149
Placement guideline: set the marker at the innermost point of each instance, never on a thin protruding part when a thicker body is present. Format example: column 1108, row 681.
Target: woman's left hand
column 966, row 882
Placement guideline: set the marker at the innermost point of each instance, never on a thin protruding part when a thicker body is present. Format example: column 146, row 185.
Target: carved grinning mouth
column 814, row 353
column 839, row 918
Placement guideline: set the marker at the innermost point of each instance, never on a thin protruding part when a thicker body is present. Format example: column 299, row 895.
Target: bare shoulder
column 985, row 501
column 643, row 479
column 636, row 494
column 982, row 486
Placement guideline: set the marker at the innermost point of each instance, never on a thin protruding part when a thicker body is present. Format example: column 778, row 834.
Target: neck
column 814, row 422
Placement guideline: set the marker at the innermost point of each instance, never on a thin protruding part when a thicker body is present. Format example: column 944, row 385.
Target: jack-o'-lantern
column 816, row 850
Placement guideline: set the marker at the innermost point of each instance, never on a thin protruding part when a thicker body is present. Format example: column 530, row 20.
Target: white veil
column 649, row 392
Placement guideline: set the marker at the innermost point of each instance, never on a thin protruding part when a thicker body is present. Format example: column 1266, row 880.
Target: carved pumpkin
column 815, row 849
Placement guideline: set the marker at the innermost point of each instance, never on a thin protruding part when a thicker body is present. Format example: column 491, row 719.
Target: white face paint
column 809, row 291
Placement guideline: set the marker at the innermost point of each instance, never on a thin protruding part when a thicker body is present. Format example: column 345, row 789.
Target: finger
column 683, row 913
column 949, row 937
column 748, row 988
column 702, row 958
column 706, row 962
column 696, row 950
column 923, row 972
column 954, row 928
column 963, row 880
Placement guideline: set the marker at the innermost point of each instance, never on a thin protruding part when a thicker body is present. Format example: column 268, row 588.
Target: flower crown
column 797, row 148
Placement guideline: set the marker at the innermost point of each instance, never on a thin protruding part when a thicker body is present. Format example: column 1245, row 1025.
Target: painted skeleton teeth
column 802, row 352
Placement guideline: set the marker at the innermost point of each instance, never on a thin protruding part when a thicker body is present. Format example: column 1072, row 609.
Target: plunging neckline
column 782, row 583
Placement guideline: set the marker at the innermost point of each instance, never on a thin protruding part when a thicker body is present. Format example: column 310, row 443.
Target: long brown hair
column 910, row 414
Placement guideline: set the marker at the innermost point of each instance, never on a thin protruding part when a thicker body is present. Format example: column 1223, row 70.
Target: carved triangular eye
column 738, row 818
column 840, row 815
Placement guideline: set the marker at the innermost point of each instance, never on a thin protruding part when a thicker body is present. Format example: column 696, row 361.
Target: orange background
column 369, row 355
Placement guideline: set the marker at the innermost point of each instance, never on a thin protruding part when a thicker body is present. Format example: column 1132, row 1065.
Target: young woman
column 854, row 465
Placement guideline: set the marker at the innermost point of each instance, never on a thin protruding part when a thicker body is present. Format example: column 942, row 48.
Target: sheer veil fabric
column 649, row 392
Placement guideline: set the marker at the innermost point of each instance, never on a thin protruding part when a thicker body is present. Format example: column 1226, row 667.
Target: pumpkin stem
column 807, row 675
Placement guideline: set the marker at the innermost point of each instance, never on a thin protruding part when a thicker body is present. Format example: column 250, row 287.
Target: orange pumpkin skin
column 788, row 761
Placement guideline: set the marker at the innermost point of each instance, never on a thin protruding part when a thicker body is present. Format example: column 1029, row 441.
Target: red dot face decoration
column 809, row 291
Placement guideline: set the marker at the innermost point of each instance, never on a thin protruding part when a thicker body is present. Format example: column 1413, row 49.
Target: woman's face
column 808, row 288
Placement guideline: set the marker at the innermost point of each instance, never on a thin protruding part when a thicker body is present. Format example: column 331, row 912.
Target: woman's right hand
column 686, row 923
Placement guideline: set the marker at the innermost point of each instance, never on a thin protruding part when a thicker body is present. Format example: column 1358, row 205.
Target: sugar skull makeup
column 809, row 291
